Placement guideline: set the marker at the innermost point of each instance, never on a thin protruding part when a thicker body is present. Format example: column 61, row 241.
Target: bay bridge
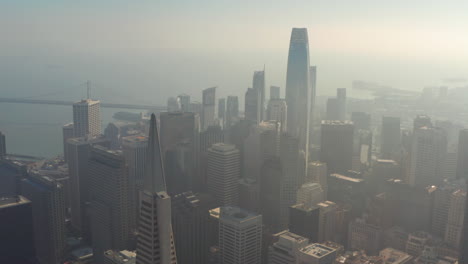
column 59, row 102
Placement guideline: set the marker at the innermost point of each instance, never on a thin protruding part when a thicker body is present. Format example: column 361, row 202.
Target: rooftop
column 11, row 201
column 317, row 250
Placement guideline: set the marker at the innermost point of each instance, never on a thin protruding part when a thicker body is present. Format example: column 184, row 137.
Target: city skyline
column 191, row 164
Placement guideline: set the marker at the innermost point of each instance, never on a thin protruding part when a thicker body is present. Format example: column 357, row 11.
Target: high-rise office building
column 67, row 132
column 304, row 221
column 298, row 87
column 462, row 157
column 191, row 227
column 173, row 104
column 333, row 109
column 336, row 148
column 180, row 143
column 184, row 102
column 361, row 120
column 208, row 108
column 390, row 142
column 317, row 172
column 232, row 111
column 292, row 177
column 240, row 236
column 134, row 149
column 270, row 194
column 453, row 233
column 428, row 153
column 223, row 173
column 108, row 209
column 278, row 111
column 48, row 209
column 16, row 230
column 364, row 236
column 440, row 210
column 421, row 121
column 221, row 109
column 313, row 88
column 341, row 97
column 251, row 110
column 327, row 221
column 317, row 254
column 275, row 92
column 156, row 242
column 78, row 154
column 258, row 84
column 2, row 144
column 310, row 194
column 87, row 118
column 463, row 258
column 286, row 249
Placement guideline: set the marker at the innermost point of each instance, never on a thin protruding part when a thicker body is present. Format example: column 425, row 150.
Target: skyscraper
column 341, row 97
column 274, row 92
column 240, row 236
column 208, row 108
column 223, row 173
column 270, row 194
column 298, row 87
column 278, row 111
column 67, row 132
column 180, row 143
column 336, row 148
column 2, row 144
column 78, row 154
column 155, row 243
column 108, row 207
column 86, row 118
column 191, row 227
column 333, row 109
column 232, row 111
column 259, row 85
column 317, row 254
column 48, row 209
column 134, row 149
column 310, row 194
column 184, row 102
column 304, row 221
column 462, row 162
column 428, row 153
column 390, row 142
column 16, row 230
column 251, row 110
column 454, row 232
column 221, row 109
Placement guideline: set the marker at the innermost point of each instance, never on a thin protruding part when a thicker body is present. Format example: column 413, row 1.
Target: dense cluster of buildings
column 293, row 180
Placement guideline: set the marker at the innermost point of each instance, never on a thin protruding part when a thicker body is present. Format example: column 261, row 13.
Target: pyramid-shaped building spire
column 154, row 180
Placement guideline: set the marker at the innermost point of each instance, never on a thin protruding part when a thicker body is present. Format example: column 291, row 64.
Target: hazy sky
column 163, row 48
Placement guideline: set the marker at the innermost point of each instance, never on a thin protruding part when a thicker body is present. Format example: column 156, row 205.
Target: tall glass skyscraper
column 298, row 87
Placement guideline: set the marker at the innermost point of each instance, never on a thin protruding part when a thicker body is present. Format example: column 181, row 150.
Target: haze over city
column 219, row 132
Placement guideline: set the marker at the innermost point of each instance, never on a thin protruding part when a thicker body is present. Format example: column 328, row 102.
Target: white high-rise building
column 240, row 236
column 310, row 194
column 223, row 173
column 86, row 118
column 428, row 154
column 286, row 249
column 156, row 242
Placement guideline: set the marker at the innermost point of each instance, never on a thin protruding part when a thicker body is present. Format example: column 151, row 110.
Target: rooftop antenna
column 88, row 86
